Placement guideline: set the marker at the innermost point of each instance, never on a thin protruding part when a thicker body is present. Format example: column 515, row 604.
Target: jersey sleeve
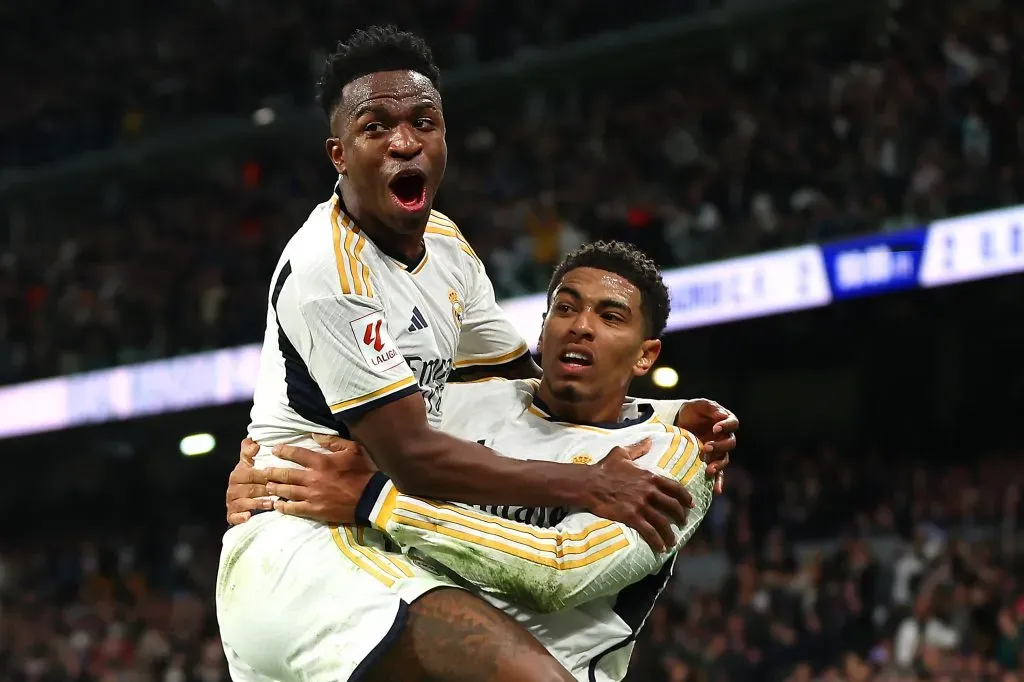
column 666, row 410
column 544, row 569
column 345, row 344
column 487, row 336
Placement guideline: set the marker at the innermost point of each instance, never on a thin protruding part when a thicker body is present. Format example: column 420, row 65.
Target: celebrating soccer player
column 375, row 301
column 581, row 584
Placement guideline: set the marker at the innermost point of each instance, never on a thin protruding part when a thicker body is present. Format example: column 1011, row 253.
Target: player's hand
column 246, row 486
column 645, row 501
column 715, row 427
column 328, row 486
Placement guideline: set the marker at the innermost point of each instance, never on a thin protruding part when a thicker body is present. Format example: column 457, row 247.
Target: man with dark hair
column 376, row 299
column 581, row 584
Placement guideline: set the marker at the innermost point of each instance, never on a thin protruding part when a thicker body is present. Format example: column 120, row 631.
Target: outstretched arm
column 544, row 569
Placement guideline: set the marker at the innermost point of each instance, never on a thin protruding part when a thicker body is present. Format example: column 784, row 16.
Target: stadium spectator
column 815, row 140
column 135, row 606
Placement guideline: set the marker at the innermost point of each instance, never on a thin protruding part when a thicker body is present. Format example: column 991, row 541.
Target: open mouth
column 409, row 190
column 576, row 358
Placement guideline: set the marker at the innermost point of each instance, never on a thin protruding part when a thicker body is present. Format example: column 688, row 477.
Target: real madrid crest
column 457, row 310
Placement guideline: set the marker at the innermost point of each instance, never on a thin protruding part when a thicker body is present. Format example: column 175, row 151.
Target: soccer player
column 581, row 584
column 375, row 301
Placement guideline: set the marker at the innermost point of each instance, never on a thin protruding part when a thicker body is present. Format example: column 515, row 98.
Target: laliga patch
column 380, row 352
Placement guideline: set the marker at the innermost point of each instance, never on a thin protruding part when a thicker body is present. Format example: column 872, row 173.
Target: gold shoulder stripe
column 670, row 452
column 442, row 218
column 442, row 225
column 338, row 258
column 537, row 532
column 690, row 451
column 500, row 546
column 353, row 274
column 548, row 546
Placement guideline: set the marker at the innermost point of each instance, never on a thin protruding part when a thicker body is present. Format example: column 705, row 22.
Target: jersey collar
column 643, row 411
column 403, row 263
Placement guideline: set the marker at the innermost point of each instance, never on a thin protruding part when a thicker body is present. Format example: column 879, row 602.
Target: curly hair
column 369, row 50
column 630, row 263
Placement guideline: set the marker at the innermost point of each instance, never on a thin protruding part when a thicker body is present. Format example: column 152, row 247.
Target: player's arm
column 544, row 569
column 368, row 386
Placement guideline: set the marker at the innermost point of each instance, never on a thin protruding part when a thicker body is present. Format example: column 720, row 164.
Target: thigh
column 453, row 636
column 240, row 671
column 299, row 601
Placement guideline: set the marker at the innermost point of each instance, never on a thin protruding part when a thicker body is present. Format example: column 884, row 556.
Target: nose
column 405, row 143
column 583, row 325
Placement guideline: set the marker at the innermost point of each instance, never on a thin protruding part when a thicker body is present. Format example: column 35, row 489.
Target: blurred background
column 835, row 189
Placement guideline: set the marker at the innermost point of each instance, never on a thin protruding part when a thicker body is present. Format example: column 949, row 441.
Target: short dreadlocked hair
column 369, row 50
column 630, row 263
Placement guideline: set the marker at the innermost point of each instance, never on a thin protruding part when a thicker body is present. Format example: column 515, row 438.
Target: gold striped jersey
column 350, row 328
column 582, row 584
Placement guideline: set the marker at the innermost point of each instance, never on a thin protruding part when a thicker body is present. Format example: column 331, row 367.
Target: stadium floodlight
column 665, row 377
column 197, row 444
column 264, row 116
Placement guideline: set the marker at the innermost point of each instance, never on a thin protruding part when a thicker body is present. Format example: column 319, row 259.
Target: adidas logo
column 418, row 321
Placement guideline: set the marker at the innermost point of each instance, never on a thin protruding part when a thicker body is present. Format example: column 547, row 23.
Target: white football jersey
column 350, row 328
column 581, row 584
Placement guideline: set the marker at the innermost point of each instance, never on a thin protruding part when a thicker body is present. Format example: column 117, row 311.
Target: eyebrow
column 603, row 303
column 378, row 110
column 382, row 111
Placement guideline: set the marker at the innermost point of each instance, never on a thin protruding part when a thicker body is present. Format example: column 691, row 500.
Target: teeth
column 575, row 356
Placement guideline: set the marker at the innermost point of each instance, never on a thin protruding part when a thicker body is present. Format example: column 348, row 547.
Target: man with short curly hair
column 375, row 301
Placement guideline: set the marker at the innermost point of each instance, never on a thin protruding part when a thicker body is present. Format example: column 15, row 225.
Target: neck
column 404, row 244
column 603, row 409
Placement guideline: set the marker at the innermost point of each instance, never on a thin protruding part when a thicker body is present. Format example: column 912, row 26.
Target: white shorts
column 298, row 601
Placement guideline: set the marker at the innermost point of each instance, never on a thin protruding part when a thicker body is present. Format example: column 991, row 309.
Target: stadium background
column 155, row 158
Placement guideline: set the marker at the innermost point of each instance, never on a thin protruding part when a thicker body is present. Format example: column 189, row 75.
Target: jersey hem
column 356, row 411
column 490, row 361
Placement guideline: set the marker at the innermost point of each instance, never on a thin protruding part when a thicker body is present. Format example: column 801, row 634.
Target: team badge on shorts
column 457, row 310
column 582, row 459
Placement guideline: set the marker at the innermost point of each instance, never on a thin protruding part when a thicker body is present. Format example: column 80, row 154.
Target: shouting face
column 389, row 145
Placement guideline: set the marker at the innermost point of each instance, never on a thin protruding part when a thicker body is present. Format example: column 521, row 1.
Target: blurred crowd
column 90, row 76
column 814, row 137
column 836, row 569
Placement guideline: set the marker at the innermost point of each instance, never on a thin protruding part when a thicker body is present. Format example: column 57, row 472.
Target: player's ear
column 336, row 153
column 540, row 337
column 649, row 352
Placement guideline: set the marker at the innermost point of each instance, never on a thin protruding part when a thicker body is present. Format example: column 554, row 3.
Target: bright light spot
column 197, row 444
column 665, row 377
column 264, row 116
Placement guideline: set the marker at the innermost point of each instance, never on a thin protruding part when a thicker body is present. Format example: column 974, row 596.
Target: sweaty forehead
column 596, row 284
column 389, row 86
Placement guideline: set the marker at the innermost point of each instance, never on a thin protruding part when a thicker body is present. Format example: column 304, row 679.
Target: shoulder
column 494, row 391
column 443, row 234
column 327, row 256
column 673, row 450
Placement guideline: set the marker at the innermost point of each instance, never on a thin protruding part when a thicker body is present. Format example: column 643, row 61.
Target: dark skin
column 597, row 314
column 392, row 122
column 453, row 636
column 450, row 636
column 388, row 123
